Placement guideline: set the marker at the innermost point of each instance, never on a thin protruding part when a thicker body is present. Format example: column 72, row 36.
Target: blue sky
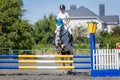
column 36, row 9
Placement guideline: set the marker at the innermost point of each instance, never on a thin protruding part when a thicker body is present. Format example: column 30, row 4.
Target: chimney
column 101, row 10
column 72, row 7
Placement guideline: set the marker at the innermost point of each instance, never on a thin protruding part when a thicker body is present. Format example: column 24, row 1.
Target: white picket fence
column 106, row 59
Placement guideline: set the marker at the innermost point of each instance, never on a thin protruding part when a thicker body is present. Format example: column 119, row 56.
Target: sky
column 36, row 9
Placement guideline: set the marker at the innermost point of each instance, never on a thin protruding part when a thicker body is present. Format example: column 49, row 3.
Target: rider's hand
column 65, row 24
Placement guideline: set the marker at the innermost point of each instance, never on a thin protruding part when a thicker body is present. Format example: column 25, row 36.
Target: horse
column 63, row 40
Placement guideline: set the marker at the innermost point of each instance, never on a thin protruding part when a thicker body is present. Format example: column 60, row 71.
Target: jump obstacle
column 44, row 61
column 103, row 62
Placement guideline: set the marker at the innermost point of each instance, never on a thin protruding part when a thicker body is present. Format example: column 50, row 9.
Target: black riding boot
column 71, row 39
column 53, row 41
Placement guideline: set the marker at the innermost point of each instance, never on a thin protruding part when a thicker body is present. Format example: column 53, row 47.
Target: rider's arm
column 68, row 20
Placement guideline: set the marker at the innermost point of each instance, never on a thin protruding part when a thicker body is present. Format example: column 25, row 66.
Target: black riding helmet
column 62, row 6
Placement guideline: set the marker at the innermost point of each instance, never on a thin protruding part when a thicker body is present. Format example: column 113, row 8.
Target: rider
column 66, row 19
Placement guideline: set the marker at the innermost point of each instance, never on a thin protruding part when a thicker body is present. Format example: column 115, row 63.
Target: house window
column 104, row 27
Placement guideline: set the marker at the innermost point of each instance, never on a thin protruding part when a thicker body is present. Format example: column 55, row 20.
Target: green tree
column 22, row 35
column 44, row 30
column 16, row 32
column 111, row 38
column 116, row 30
column 80, row 38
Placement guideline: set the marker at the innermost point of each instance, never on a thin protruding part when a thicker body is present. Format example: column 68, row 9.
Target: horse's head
column 62, row 36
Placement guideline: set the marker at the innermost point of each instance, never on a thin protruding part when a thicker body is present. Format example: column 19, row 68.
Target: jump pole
column 44, row 56
column 45, row 61
column 45, row 67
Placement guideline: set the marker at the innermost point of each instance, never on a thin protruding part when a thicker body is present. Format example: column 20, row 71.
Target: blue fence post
column 92, row 30
column 92, row 47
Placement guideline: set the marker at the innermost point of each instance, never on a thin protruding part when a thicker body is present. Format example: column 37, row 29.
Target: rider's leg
column 70, row 34
column 67, row 27
column 69, row 30
column 56, row 43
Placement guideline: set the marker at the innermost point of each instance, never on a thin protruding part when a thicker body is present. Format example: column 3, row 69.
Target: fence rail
column 105, row 59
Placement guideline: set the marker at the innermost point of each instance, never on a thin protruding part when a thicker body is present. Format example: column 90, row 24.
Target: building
column 80, row 16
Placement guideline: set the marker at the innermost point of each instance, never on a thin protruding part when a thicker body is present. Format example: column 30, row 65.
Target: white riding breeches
column 67, row 27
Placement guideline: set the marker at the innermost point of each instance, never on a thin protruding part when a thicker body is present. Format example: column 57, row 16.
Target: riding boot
column 53, row 41
column 71, row 38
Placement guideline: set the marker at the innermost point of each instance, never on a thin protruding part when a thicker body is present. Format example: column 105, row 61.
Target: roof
column 110, row 19
column 81, row 12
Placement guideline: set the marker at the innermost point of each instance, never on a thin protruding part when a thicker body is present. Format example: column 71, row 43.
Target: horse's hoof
column 69, row 72
column 57, row 51
column 64, row 72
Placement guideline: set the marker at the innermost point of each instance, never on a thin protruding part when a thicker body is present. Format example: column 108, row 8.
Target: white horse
column 63, row 40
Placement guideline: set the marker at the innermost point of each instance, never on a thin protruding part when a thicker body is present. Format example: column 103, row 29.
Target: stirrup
column 56, row 49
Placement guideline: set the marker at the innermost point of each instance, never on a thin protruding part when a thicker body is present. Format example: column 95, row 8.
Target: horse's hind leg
column 71, row 53
column 71, row 60
column 63, row 59
column 70, row 71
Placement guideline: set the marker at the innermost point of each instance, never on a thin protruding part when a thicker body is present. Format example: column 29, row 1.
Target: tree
column 22, row 35
column 79, row 31
column 16, row 32
column 10, row 11
column 111, row 38
column 116, row 30
column 80, row 37
column 44, row 30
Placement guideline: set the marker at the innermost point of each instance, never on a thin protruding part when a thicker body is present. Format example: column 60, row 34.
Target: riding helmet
column 62, row 6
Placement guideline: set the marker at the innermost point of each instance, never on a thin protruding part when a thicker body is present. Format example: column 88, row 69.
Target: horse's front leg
column 71, row 53
column 70, row 58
